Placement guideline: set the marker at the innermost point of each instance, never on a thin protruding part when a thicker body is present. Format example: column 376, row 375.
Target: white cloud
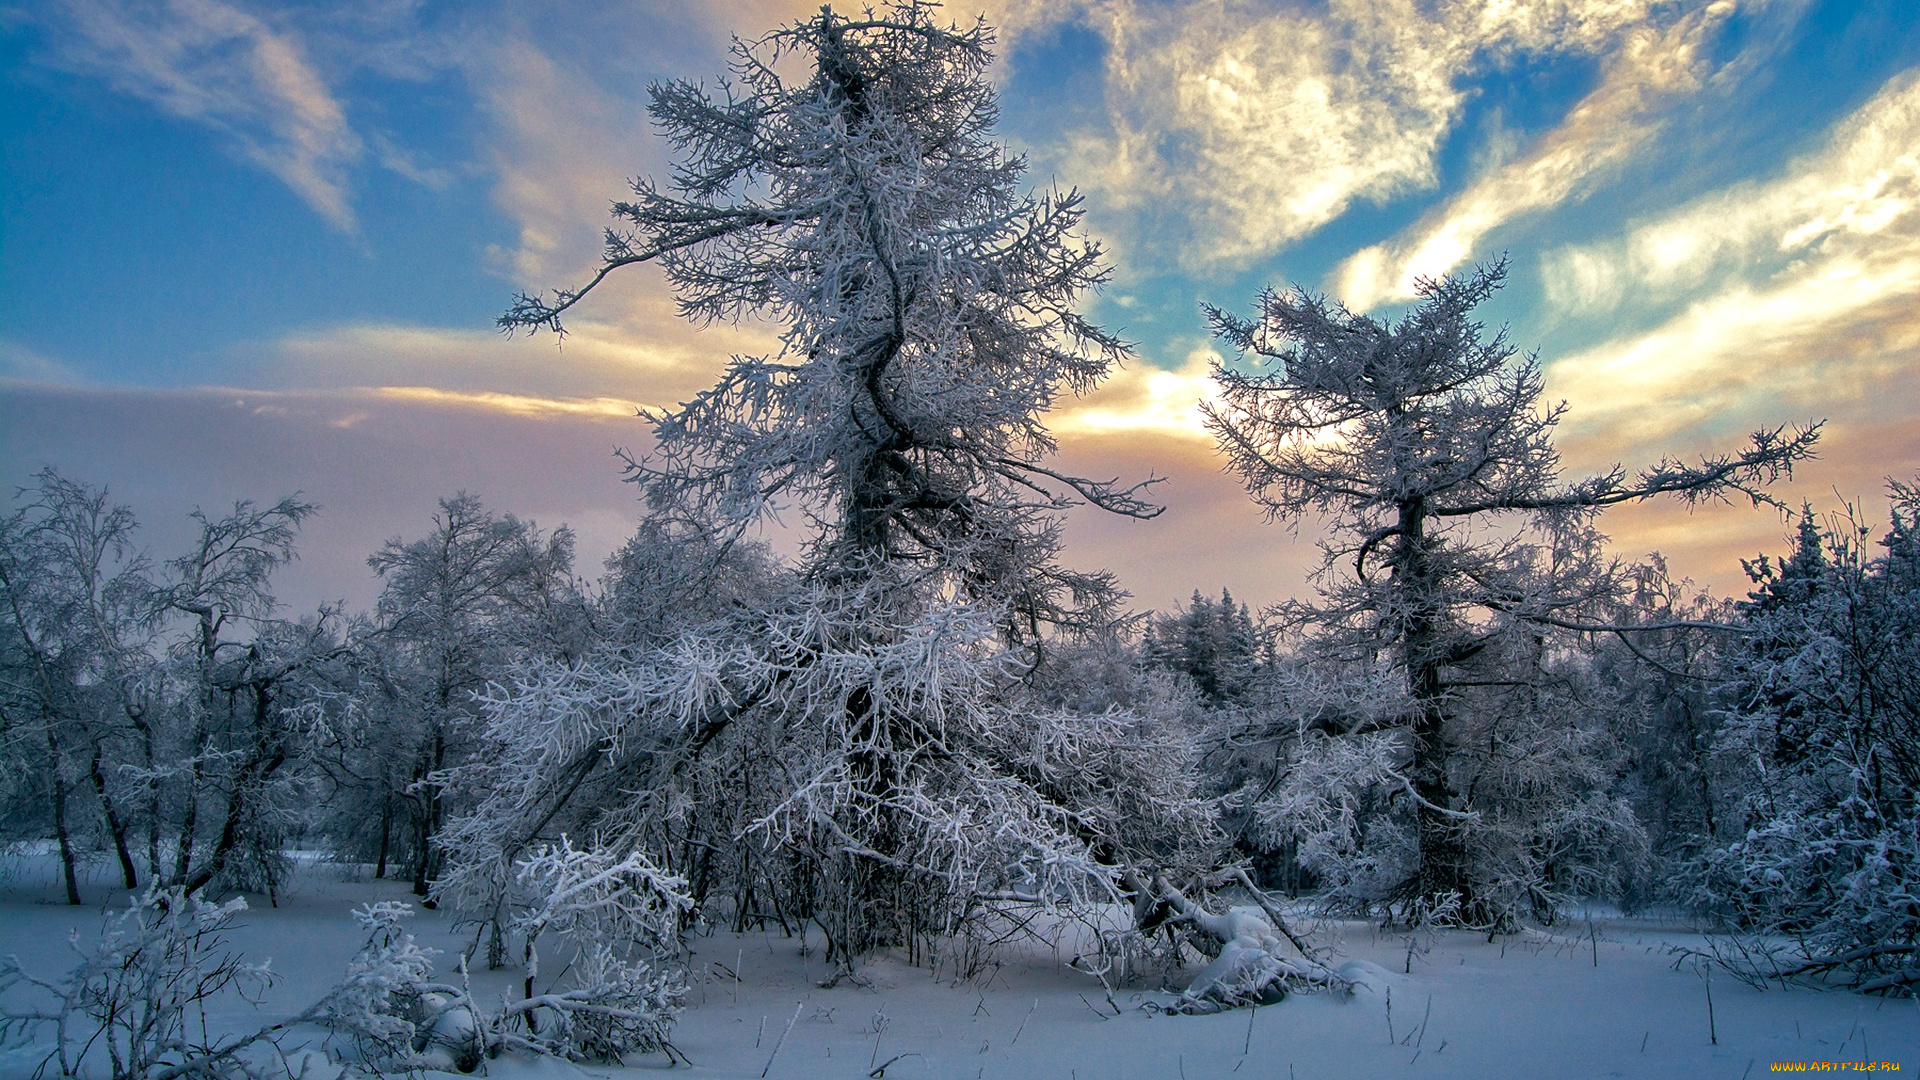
column 213, row 64
column 1839, row 336
column 1796, row 301
column 1601, row 133
column 1243, row 132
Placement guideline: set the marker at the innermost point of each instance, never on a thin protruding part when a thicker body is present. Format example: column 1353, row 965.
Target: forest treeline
column 1753, row 761
column 924, row 733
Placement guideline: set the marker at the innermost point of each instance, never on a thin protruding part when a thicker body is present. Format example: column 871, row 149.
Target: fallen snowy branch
column 1252, row 967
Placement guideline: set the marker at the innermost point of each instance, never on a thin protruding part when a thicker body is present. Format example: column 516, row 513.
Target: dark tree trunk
column 60, row 817
column 190, row 812
column 873, row 882
column 422, row 835
column 248, row 781
column 426, row 858
column 115, row 827
column 1443, row 871
column 138, row 715
column 386, row 834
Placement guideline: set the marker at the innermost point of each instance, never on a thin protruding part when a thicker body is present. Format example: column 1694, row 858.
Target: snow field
column 1563, row 1004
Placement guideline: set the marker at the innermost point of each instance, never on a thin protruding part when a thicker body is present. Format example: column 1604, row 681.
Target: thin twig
column 880, row 1072
column 782, row 1041
column 1023, row 1022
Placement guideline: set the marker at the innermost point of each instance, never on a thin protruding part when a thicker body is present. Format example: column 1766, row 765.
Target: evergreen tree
column 928, row 310
column 1214, row 643
column 1425, row 443
column 1820, row 760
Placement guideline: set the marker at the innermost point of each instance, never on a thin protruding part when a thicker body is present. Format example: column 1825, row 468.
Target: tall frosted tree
column 1425, row 445
column 74, row 600
column 1819, row 761
column 457, row 605
column 846, row 186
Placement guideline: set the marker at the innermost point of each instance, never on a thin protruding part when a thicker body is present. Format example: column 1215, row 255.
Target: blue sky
column 248, row 247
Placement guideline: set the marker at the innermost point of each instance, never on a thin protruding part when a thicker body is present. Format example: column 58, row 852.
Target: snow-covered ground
column 1541, row 1005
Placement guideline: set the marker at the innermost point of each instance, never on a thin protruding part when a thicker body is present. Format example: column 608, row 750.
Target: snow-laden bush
column 1820, row 757
column 781, row 756
column 379, row 1003
column 136, row 1003
column 616, row 922
column 1255, row 958
column 619, row 918
column 1831, row 894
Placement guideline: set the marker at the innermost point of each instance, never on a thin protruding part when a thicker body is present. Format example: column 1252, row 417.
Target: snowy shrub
column 735, row 748
column 620, row 920
column 376, row 1006
column 1820, row 756
column 1255, row 958
column 616, row 995
column 137, row 1001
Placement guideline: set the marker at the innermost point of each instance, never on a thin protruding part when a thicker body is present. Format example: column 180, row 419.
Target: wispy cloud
column 214, row 64
column 1651, row 68
column 1241, row 133
column 1855, row 197
column 563, row 147
column 1797, row 291
column 21, row 364
column 643, row 355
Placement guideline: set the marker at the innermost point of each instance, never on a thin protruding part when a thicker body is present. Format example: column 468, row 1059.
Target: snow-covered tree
column 1425, row 444
column 664, row 580
column 239, row 675
column 895, row 780
column 176, row 699
column 460, row 604
column 1819, row 761
column 74, row 642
